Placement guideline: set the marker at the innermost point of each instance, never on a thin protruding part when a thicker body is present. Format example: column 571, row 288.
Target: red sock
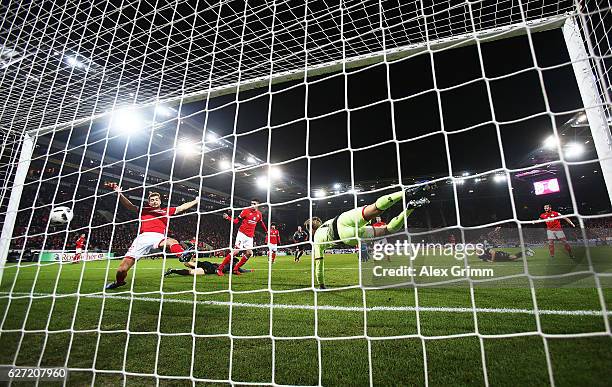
column 225, row 261
column 551, row 248
column 120, row 277
column 567, row 246
column 242, row 262
column 176, row 249
column 273, row 256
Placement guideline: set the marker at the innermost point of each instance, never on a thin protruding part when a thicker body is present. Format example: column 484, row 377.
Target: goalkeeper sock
column 385, row 202
column 180, row 271
column 319, row 271
column 398, row 222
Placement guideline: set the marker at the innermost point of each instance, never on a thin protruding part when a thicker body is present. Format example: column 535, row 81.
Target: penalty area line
column 445, row 309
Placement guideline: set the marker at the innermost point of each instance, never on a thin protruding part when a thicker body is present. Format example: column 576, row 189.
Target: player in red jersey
column 79, row 248
column 244, row 239
column 555, row 231
column 152, row 233
column 273, row 240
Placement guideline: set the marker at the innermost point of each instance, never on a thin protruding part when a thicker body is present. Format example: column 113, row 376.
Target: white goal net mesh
column 487, row 109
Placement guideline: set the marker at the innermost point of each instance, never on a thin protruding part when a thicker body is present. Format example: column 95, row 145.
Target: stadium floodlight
column 319, row 193
column 224, row 164
column 551, row 142
column 574, row 150
column 251, row 160
column 163, row 111
column 74, row 62
column 262, row 182
column 126, row 121
column 187, row 147
column 499, row 178
column 211, row 137
column 337, row 186
column 275, row 173
column 465, row 174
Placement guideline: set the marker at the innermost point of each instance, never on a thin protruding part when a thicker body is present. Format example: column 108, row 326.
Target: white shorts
column 79, row 250
column 272, row 247
column 243, row 242
column 144, row 243
column 555, row 234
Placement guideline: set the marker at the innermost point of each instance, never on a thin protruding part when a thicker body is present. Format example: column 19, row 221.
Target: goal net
column 478, row 131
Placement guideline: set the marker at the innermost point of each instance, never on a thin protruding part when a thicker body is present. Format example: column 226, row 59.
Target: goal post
column 21, row 172
column 589, row 87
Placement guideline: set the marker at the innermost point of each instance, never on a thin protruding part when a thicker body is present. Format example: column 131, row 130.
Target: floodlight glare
column 574, row 150
column 319, row 193
column 211, row 137
column 163, row 111
column 262, row 182
column 186, row 147
column 251, row 160
column 73, row 62
column 551, row 142
column 337, row 186
column 465, row 174
column 224, row 164
column 499, row 178
column 126, row 120
column 276, row 173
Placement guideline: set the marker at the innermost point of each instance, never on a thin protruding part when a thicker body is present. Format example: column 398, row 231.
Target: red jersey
column 250, row 218
column 273, row 237
column 379, row 224
column 80, row 242
column 155, row 219
column 553, row 225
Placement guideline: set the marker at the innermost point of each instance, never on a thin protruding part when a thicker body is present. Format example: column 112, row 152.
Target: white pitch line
column 445, row 309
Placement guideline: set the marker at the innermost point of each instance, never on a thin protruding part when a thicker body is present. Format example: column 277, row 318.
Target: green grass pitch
column 136, row 333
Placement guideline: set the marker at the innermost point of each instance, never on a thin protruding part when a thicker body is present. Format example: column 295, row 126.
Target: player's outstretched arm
column 185, row 206
column 263, row 225
column 570, row 222
column 233, row 220
column 125, row 202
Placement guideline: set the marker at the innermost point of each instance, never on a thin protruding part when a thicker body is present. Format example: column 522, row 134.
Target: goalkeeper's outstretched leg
column 352, row 225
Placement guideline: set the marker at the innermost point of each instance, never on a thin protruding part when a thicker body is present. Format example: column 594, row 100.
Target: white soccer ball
column 61, row 215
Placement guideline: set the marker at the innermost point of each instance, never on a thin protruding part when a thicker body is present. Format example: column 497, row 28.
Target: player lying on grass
column 346, row 227
column 250, row 217
column 203, row 267
column 492, row 255
column 152, row 233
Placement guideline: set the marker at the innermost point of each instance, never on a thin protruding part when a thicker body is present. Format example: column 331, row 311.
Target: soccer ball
column 529, row 252
column 61, row 215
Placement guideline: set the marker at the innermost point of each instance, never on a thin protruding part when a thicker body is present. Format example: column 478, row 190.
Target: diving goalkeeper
column 346, row 227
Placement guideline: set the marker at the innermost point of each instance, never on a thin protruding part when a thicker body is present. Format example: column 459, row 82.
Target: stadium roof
column 67, row 61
